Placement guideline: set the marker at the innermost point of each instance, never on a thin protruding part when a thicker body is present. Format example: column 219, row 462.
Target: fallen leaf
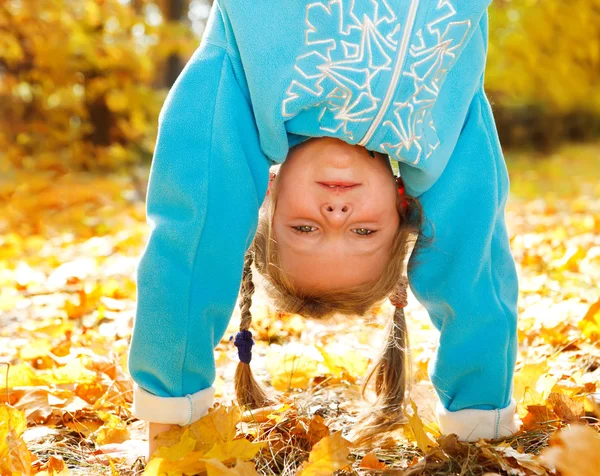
column 537, row 416
column 574, row 451
column 114, row 429
column 290, row 370
column 327, row 456
column 242, row 468
column 370, row 461
column 218, row 425
column 424, row 442
column 566, row 407
column 15, row 458
column 240, row 448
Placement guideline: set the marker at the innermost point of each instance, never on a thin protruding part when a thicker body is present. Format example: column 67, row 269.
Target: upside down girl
column 333, row 90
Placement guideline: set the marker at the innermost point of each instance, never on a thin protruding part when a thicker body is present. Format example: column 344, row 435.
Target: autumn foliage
column 80, row 80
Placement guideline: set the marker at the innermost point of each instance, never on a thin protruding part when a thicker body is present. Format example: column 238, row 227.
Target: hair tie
column 244, row 342
column 399, row 296
column 402, row 192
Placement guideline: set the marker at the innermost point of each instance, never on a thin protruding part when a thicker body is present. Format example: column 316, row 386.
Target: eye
column 305, row 228
column 363, row 231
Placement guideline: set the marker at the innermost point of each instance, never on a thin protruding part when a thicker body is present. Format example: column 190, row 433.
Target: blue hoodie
column 401, row 77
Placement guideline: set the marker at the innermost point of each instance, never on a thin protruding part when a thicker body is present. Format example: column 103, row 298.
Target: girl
column 402, row 78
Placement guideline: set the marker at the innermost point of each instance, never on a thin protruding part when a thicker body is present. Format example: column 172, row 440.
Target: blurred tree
column 173, row 11
column 78, row 80
column 544, row 68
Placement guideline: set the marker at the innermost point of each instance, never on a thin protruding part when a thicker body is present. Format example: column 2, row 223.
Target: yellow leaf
column 424, row 442
column 15, row 458
column 590, row 324
column 215, row 468
column 241, row 448
column 191, row 463
column 114, row 429
column 574, row 452
column 339, row 360
column 218, row 426
column 327, row 456
column 74, row 372
column 526, row 379
column 289, row 370
column 177, row 451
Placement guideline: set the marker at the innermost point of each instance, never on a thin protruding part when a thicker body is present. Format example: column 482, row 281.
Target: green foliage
column 78, row 80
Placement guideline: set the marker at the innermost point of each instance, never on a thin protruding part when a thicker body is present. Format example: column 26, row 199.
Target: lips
column 337, row 185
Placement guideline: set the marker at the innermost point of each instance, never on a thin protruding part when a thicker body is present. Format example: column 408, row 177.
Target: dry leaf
column 327, row 456
column 185, row 445
column 242, row 468
column 219, row 425
column 524, row 460
column 538, row 415
column 191, row 463
column 290, row 370
column 114, row 429
column 370, row 461
column 15, row 458
column 566, row 407
column 574, row 451
column 424, row 442
column 240, row 448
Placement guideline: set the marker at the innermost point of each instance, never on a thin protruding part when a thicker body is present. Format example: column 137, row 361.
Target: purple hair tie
column 243, row 341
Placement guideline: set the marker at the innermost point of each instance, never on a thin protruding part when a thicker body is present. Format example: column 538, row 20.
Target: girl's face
column 336, row 216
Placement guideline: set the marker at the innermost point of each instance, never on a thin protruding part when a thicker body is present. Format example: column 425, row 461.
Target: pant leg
column 466, row 279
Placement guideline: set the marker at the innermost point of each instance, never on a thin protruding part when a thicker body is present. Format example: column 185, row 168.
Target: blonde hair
column 391, row 371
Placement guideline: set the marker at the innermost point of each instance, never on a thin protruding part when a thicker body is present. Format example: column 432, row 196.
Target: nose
column 336, row 213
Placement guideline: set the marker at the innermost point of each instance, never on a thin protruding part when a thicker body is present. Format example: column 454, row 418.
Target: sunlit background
column 81, row 86
column 82, row 81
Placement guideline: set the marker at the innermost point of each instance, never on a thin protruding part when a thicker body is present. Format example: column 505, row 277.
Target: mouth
column 339, row 185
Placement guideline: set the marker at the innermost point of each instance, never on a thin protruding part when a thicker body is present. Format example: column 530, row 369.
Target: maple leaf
column 327, row 456
column 217, row 426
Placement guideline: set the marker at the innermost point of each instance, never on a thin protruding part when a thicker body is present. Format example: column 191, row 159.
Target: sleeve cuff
column 471, row 424
column 174, row 410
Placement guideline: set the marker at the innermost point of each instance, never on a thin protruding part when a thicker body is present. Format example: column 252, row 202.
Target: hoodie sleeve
column 207, row 181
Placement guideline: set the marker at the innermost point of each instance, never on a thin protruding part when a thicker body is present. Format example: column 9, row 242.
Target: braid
column 248, row 391
column 392, row 375
column 247, row 292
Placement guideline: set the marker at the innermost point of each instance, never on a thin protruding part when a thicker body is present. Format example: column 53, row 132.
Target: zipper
column 410, row 23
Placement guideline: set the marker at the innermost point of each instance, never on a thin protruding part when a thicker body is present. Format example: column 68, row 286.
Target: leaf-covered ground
column 69, row 245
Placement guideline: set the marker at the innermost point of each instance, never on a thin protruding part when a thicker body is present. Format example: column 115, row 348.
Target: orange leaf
column 370, row 461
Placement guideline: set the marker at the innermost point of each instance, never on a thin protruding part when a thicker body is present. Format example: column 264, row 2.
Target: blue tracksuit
column 402, row 77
